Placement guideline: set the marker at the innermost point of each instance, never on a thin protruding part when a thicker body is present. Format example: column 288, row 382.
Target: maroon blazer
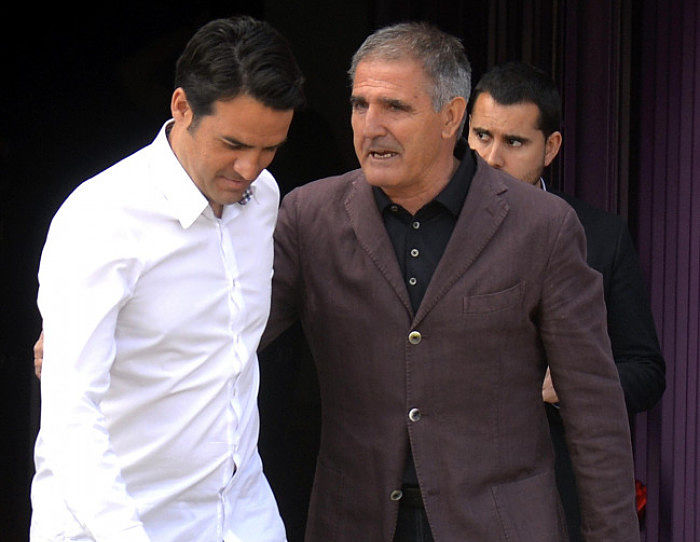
column 462, row 377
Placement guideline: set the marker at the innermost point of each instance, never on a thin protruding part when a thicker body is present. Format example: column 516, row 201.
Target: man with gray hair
column 433, row 290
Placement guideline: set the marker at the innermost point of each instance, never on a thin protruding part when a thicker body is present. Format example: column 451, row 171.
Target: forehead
column 511, row 119
column 402, row 77
column 249, row 121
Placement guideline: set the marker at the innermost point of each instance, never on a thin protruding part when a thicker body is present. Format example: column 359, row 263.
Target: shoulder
column 605, row 231
column 591, row 216
column 327, row 193
column 107, row 202
column 330, row 185
column 525, row 202
column 97, row 196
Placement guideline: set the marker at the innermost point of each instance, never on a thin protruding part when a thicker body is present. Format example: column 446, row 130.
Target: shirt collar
column 455, row 192
column 188, row 203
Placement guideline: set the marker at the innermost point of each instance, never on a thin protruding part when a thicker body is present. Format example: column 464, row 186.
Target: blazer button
column 396, row 495
column 414, row 414
column 414, row 337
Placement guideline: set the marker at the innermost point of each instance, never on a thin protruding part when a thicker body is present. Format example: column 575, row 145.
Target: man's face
column 224, row 152
column 507, row 137
column 398, row 135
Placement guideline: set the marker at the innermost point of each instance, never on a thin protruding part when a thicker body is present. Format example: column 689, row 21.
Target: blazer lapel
column 483, row 212
column 372, row 236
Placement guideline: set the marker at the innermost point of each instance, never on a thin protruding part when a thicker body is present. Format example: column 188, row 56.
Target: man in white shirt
column 154, row 292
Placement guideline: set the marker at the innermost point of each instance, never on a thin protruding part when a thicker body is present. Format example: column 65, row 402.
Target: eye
column 481, row 135
column 512, row 142
column 232, row 145
column 358, row 105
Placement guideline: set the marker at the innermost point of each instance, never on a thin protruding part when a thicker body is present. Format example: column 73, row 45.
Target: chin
column 379, row 178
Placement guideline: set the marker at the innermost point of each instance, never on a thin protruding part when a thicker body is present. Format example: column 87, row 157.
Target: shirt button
column 415, row 225
column 394, row 208
column 414, row 414
column 396, row 495
column 412, row 281
column 414, row 337
column 415, row 253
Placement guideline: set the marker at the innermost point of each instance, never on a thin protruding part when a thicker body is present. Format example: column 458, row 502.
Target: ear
column 551, row 147
column 180, row 108
column 452, row 114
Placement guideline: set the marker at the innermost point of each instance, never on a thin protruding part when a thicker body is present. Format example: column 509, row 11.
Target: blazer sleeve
column 286, row 278
column 632, row 331
column 572, row 328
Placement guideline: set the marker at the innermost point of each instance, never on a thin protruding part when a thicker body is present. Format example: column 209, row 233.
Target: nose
column 494, row 156
column 373, row 122
column 249, row 165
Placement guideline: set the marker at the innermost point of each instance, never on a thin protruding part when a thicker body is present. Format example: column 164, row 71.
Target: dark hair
column 239, row 55
column 515, row 83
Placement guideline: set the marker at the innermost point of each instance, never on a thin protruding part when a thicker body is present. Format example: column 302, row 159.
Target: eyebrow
column 521, row 139
column 399, row 104
column 483, row 130
column 233, row 141
column 387, row 102
column 512, row 137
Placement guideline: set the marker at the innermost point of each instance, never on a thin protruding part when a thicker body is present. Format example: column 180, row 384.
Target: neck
column 426, row 192
column 175, row 134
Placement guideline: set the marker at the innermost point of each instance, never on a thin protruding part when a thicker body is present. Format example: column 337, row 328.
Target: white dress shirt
column 152, row 310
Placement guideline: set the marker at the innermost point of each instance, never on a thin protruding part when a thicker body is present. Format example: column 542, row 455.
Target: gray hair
column 442, row 56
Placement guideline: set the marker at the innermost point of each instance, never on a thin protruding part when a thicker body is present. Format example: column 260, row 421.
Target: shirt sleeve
column 573, row 330
column 86, row 275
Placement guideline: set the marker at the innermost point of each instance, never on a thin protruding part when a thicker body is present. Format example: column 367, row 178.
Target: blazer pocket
column 530, row 509
column 492, row 302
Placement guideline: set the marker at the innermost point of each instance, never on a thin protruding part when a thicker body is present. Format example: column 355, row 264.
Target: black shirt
column 419, row 240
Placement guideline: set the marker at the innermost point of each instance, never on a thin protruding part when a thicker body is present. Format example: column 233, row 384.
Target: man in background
column 514, row 126
column 154, row 292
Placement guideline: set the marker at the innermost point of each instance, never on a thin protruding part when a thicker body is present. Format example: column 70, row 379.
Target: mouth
column 234, row 182
column 381, row 154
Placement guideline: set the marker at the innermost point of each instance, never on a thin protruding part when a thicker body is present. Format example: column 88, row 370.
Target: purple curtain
column 594, row 80
column 667, row 439
column 630, row 79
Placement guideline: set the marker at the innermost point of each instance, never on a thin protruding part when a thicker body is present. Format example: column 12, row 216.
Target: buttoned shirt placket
column 236, row 310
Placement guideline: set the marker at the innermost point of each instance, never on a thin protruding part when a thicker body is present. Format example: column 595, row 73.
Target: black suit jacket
column 631, row 329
